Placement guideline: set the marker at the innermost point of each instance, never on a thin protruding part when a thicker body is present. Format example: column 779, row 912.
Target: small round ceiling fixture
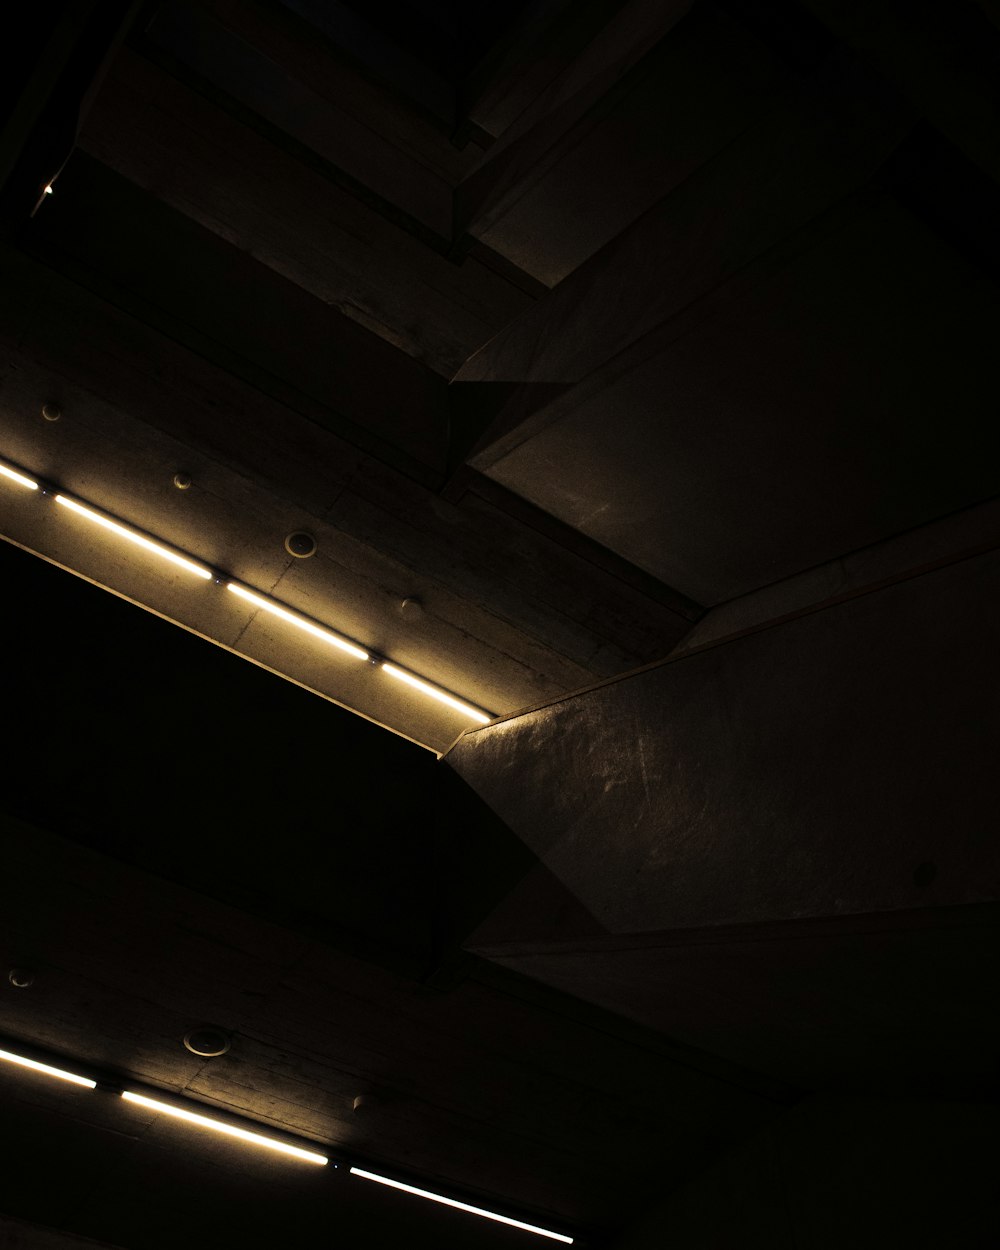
column 207, row 1042
column 411, row 609
column 182, row 481
column 51, row 411
column 300, row 544
column 21, row 978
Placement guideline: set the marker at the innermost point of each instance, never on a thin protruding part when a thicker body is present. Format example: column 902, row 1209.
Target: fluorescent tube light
column 462, row 1206
column 19, row 478
column 133, row 536
column 300, row 622
column 47, row 1069
column 261, row 602
column 230, row 1130
column 433, row 692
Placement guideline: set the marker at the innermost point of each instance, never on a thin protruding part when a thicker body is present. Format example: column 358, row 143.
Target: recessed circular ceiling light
column 208, row 1042
column 411, row 608
column 300, row 544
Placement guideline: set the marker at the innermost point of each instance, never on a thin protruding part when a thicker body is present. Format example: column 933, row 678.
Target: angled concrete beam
column 777, row 847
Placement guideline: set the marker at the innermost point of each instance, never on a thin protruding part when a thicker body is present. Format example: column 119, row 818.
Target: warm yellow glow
column 47, row 1069
column 230, row 1130
column 140, row 540
column 462, row 1206
column 261, row 602
column 434, row 693
column 300, row 622
column 19, row 478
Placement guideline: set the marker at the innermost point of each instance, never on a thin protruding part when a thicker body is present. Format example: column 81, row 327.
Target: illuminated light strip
column 47, row 1069
column 133, row 536
column 18, row 477
column 462, row 1206
column 271, row 1143
column 433, row 692
column 266, row 605
column 230, row 1130
column 300, row 622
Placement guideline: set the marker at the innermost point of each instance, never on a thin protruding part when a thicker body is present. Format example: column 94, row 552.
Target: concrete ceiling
column 583, row 339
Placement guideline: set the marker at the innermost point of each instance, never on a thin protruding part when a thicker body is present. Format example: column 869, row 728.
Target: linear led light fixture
column 434, row 692
column 462, row 1206
column 300, row 622
column 20, row 478
column 229, row 1130
column 47, row 1069
column 303, row 623
column 133, row 536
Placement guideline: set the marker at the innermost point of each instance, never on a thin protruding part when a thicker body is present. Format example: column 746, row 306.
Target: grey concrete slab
column 856, row 380
column 162, row 135
column 120, row 982
column 821, row 140
column 776, row 848
column 648, row 121
column 138, row 409
column 805, row 770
